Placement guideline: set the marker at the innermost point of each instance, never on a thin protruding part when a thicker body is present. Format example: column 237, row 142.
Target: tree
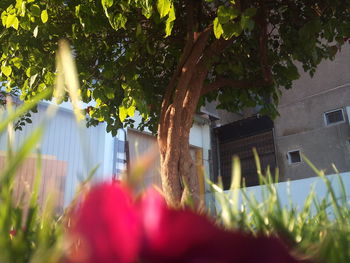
column 164, row 58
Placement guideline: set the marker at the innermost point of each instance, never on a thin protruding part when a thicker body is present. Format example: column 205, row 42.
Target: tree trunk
column 178, row 171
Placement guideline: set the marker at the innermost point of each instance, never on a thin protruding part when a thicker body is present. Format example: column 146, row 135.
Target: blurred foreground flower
column 111, row 226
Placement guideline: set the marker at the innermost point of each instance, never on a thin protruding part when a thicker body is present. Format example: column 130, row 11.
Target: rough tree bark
column 178, row 173
column 178, row 108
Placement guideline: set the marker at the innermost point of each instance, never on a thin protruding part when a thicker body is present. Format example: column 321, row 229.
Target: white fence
column 297, row 190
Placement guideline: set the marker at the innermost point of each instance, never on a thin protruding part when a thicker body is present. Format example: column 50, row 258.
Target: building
column 313, row 121
column 69, row 152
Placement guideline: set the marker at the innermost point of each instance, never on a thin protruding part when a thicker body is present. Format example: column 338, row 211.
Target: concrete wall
column 301, row 124
column 295, row 191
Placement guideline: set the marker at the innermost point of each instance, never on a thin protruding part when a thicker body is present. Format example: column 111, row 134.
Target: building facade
column 313, row 121
column 69, row 152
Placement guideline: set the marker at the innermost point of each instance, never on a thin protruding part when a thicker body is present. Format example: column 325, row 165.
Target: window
column 294, row 157
column 334, row 117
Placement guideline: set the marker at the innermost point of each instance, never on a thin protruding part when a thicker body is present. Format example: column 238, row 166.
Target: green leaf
column 10, row 20
column 231, row 29
column 16, row 62
column 250, row 12
column 122, row 113
column 120, row 21
column 138, row 30
column 172, row 15
column 147, row 9
column 247, row 23
column 107, row 3
column 217, row 28
column 29, row 72
column 163, row 7
column 44, row 16
column 7, row 70
column 150, row 49
column 3, row 18
column 35, row 10
column 292, row 72
column 24, row 108
column 225, row 14
column 131, row 110
column 170, row 21
column 15, row 23
column 110, row 95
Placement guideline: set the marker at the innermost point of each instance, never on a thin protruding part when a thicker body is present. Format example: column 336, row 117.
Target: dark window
column 294, row 156
column 333, row 117
column 239, row 138
column 242, row 147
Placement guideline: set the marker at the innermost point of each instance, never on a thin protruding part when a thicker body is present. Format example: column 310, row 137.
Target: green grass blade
column 330, row 189
column 235, row 182
column 21, row 154
column 23, row 109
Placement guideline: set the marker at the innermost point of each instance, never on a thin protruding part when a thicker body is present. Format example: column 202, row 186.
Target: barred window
column 334, row 117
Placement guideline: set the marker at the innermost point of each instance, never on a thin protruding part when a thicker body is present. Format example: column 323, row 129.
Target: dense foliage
column 128, row 51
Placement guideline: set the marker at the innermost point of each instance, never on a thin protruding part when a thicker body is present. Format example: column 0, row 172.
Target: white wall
column 298, row 190
column 81, row 149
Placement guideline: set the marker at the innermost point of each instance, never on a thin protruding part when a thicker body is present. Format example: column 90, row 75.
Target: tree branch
column 216, row 48
column 189, row 6
column 187, row 49
column 195, row 44
column 230, row 83
column 263, row 39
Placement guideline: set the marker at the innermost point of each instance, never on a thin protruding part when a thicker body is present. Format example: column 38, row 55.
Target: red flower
column 184, row 236
column 114, row 228
column 107, row 225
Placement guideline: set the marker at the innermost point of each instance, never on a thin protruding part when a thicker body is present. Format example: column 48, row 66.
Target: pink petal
column 184, row 236
column 108, row 225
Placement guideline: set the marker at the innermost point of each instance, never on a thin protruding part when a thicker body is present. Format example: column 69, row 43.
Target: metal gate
column 243, row 149
column 239, row 139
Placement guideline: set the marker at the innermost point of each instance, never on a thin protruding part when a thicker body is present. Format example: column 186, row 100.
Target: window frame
column 290, row 159
column 335, row 123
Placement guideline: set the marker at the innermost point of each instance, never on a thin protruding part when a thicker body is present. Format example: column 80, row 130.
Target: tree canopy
column 128, row 51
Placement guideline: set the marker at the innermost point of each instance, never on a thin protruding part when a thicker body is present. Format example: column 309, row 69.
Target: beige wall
column 52, row 181
column 139, row 145
column 301, row 123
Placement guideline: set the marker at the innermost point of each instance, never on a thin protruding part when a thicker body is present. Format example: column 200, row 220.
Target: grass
column 319, row 229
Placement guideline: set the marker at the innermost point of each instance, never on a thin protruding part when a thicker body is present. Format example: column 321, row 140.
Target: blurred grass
column 319, row 229
column 29, row 233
